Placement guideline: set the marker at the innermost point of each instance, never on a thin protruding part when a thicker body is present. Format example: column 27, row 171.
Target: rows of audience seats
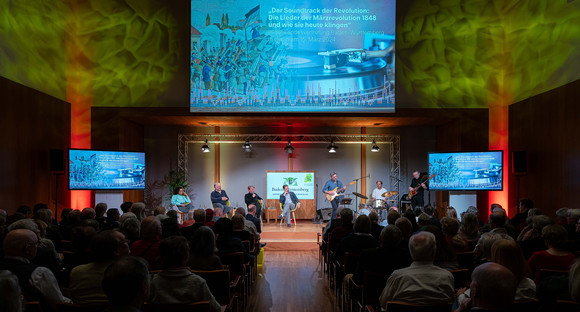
column 421, row 261
column 99, row 259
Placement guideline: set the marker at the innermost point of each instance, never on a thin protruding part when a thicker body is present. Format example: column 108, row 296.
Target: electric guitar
column 332, row 197
column 414, row 192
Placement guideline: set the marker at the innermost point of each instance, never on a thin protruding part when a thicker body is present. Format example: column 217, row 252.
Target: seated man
column 176, row 284
column 148, row 247
column 342, row 230
column 85, row 280
column 37, row 283
column 358, row 240
column 251, row 216
column 422, row 283
column 251, row 198
column 126, row 283
column 289, row 202
column 219, row 198
column 199, row 218
column 493, row 288
column 248, row 225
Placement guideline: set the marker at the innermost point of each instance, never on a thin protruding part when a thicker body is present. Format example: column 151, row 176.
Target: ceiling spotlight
column 375, row 147
column 289, row 149
column 205, row 147
column 332, row 148
column 247, row 147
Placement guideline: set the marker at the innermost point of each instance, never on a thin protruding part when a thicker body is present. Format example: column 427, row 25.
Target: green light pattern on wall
column 454, row 53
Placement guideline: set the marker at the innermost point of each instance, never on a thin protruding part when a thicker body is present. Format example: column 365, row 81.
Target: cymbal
column 389, row 194
column 359, row 195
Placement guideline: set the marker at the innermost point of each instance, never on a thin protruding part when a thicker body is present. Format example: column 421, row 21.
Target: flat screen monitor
column 466, row 171
column 292, row 56
column 106, row 170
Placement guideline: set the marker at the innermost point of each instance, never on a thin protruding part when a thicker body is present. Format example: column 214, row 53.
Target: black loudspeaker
column 324, row 214
column 519, row 163
column 56, row 160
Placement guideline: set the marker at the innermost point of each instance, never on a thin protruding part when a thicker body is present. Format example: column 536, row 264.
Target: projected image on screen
column 466, row 171
column 288, row 56
column 101, row 170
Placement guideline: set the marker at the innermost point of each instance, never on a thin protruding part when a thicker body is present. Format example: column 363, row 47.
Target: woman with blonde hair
column 509, row 254
column 451, row 213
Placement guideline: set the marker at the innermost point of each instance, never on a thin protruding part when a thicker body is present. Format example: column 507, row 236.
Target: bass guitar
column 332, row 197
column 414, row 191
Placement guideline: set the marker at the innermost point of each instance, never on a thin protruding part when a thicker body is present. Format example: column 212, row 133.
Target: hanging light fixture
column 332, row 148
column 375, row 147
column 289, row 149
column 247, row 147
column 205, row 147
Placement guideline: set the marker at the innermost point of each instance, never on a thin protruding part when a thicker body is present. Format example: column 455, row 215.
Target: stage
column 302, row 236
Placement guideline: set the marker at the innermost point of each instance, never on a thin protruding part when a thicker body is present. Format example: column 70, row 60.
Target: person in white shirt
column 378, row 192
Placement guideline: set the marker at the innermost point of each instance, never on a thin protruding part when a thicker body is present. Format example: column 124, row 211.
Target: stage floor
column 302, row 236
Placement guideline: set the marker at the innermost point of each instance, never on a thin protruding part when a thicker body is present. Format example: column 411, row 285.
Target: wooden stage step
column 299, row 237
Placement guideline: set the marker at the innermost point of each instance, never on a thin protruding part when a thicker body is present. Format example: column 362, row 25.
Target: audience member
column 469, row 229
column 345, row 228
column 450, row 228
column 357, row 240
column 139, row 210
column 423, row 220
column 218, row 214
column 36, row 282
column 492, row 289
column 248, row 225
column 81, row 240
column 483, row 247
column 176, row 284
column 64, row 213
column 532, row 240
column 422, row 283
column 450, row 212
column 52, row 231
column 519, row 220
column 71, row 220
column 390, row 256
column 159, row 212
column 100, row 210
column 562, row 216
column 126, row 284
column 169, row 225
column 406, row 230
column 239, row 231
column 495, row 207
column 112, row 220
column 251, row 216
column 130, row 227
column 225, row 242
column 148, row 247
column 23, row 212
column 445, row 257
column 209, row 222
column 573, row 219
column 410, row 215
column 199, row 219
column 509, row 254
column 88, row 214
column 430, row 211
column 555, row 257
column 574, row 282
column 11, row 299
column 46, row 255
column 202, row 251
column 126, row 207
column 86, row 280
column 376, row 228
column 392, row 217
column 332, row 224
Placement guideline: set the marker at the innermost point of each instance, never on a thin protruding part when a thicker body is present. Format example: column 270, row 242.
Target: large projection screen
column 292, row 56
column 300, row 182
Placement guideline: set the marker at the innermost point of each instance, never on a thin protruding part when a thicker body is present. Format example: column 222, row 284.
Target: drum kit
column 377, row 205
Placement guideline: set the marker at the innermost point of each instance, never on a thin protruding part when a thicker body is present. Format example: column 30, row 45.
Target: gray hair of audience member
column 131, row 227
column 199, row 215
column 493, row 287
column 362, row 224
column 150, row 228
column 473, row 210
column 424, row 219
column 202, row 243
column 42, row 226
column 241, row 211
column 217, row 212
column 252, row 208
column 173, row 252
column 43, row 215
column 555, row 236
column 88, row 213
column 562, row 213
column 238, row 222
column 573, row 216
column 391, row 236
column 485, row 242
column 125, row 280
column 574, row 281
column 11, row 293
column 534, row 212
column 541, row 221
column 26, row 224
column 451, row 212
column 423, row 246
column 405, row 226
column 469, row 225
column 139, row 210
column 100, row 210
column 124, row 217
column 346, row 216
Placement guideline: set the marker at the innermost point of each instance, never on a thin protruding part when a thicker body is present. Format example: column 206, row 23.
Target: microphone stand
column 356, row 190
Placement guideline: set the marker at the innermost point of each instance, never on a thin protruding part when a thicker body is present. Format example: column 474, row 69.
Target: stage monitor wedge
column 463, row 171
column 287, row 56
column 106, row 170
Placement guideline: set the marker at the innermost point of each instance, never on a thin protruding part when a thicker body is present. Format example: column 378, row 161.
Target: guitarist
column 417, row 200
column 332, row 187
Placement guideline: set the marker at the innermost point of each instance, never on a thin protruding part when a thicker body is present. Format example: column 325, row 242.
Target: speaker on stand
column 57, row 164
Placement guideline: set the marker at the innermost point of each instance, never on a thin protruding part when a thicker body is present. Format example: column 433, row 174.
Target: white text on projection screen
column 292, row 56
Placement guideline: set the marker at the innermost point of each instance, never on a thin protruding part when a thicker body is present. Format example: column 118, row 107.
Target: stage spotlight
column 332, row 148
column 289, row 149
column 375, row 147
column 247, row 147
column 205, row 147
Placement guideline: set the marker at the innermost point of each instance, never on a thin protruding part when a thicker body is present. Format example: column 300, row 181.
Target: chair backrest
column 465, row 259
column 526, row 306
column 248, row 245
column 460, row 277
column 218, row 282
column 350, row 262
column 200, row 306
column 70, row 307
column 235, row 261
column 396, row 306
column 567, row 306
column 373, row 285
column 549, row 272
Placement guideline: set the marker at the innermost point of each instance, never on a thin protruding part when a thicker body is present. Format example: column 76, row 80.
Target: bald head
column 20, row 243
column 493, row 287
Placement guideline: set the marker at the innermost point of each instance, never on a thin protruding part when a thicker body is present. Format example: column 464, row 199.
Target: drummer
column 378, row 192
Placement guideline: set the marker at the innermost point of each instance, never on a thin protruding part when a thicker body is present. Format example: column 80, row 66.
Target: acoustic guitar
column 414, row 192
column 332, row 197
